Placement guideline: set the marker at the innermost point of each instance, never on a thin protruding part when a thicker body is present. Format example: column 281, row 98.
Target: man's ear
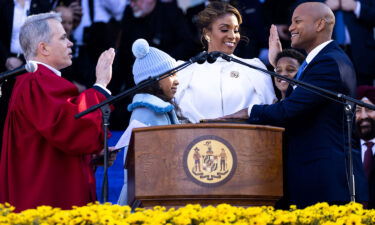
column 43, row 49
column 321, row 25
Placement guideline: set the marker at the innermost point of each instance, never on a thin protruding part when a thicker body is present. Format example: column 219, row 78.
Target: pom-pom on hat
column 149, row 61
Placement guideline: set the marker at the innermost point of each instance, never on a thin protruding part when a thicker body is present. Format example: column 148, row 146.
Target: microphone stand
column 200, row 58
column 106, row 112
column 349, row 105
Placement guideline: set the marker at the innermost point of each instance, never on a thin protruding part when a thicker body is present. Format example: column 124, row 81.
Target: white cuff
column 104, row 88
column 249, row 110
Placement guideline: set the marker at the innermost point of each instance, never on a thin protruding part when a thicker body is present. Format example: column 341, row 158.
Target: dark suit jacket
column 371, row 186
column 316, row 133
column 6, row 24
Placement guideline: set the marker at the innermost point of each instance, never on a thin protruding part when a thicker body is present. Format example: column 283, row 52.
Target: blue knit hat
column 149, row 61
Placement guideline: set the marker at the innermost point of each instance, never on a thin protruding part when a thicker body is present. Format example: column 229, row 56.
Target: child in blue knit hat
column 153, row 105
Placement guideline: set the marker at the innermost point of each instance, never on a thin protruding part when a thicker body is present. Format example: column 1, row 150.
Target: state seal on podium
column 210, row 161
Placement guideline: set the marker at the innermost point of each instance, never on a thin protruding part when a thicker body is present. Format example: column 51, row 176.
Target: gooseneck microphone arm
column 200, row 58
column 349, row 103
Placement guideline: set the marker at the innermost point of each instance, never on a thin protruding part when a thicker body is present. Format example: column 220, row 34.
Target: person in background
column 67, row 22
column 365, row 129
column 95, row 29
column 46, row 153
column 67, row 17
column 288, row 62
column 213, row 90
column 279, row 13
column 93, row 12
column 163, row 25
column 355, row 33
column 153, row 105
column 13, row 14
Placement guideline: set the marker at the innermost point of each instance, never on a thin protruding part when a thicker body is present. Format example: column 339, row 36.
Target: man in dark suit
column 316, row 135
column 365, row 129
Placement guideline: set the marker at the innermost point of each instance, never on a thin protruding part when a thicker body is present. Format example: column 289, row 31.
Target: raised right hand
column 104, row 67
column 274, row 45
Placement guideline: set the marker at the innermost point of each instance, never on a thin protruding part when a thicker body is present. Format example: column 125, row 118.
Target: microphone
column 200, row 58
column 212, row 56
column 28, row 67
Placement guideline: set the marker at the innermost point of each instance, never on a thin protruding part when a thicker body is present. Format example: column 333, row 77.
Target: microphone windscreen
column 31, row 67
column 202, row 57
column 212, row 56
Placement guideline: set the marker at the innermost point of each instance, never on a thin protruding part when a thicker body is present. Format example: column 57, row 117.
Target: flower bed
column 321, row 213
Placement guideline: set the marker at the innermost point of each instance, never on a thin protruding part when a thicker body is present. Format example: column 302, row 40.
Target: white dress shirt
column 316, row 51
column 55, row 71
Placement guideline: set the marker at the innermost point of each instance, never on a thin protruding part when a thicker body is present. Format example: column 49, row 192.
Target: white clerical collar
column 58, row 73
column 316, row 50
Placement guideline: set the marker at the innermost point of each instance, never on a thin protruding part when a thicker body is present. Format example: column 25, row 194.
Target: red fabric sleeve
column 50, row 102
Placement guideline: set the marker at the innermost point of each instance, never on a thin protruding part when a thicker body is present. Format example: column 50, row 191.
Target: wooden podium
column 205, row 164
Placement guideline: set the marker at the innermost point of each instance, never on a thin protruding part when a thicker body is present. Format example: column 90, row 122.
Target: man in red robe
column 46, row 152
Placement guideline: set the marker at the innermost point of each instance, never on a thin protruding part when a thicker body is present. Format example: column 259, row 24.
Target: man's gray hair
column 35, row 30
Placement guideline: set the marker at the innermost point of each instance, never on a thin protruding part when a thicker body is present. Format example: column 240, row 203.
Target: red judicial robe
column 46, row 152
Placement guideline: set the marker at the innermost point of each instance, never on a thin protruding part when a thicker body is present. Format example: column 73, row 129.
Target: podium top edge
column 210, row 125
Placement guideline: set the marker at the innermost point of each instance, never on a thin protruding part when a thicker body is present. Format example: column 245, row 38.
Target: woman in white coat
column 208, row 91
